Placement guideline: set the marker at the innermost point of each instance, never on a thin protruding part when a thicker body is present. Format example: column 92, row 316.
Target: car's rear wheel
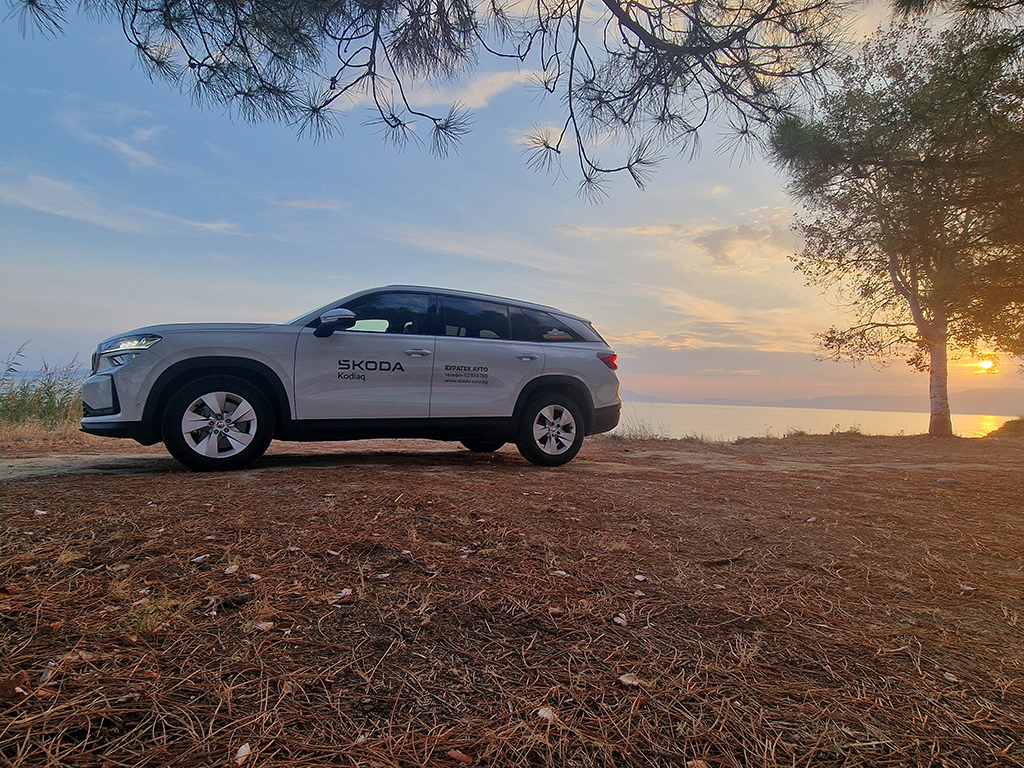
column 551, row 430
column 483, row 446
column 218, row 423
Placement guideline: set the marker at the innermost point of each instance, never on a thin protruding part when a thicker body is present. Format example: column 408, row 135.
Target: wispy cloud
column 68, row 201
column 135, row 158
column 476, row 93
column 645, row 339
column 59, row 198
column 691, row 320
column 77, row 123
column 314, row 203
column 485, row 246
column 219, row 227
column 727, row 246
column 743, row 245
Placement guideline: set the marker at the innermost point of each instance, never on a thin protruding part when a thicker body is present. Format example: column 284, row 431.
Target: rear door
column 479, row 368
column 380, row 368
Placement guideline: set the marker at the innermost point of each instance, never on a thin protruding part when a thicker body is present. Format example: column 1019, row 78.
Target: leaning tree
column 634, row 76
column 912, row 177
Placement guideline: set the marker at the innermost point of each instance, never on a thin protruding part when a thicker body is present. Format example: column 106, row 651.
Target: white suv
column 399, row 361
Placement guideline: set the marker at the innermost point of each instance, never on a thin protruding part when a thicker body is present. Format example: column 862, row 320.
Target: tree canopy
column 647, row 73
column 912, row 176
column 1003, row 8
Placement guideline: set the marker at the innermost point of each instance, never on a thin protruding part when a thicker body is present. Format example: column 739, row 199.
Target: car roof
column 474, row 295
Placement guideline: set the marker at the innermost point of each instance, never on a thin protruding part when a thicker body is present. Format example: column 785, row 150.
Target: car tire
column 217, row 423
column 483, row 446
column 551, row 430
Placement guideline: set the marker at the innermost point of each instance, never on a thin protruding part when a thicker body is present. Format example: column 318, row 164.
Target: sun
column 988, row 366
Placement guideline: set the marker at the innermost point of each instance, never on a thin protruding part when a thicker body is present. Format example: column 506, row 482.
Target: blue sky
column 122, row 204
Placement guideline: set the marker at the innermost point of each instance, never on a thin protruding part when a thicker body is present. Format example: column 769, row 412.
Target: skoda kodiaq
column 399, row 361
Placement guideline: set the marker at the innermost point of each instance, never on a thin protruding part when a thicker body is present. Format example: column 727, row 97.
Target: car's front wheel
column 551, row 430
column 218, row 423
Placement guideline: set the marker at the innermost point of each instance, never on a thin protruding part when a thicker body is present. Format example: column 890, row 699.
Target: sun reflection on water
column 984, row 424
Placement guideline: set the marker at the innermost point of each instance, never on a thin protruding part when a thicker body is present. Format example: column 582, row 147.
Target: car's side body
column 409, row 362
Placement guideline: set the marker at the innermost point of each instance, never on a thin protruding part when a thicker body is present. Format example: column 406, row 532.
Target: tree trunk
column 940, row 424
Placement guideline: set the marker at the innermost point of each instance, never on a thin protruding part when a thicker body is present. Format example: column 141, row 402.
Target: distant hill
column 1000, row 402
column 630, row 396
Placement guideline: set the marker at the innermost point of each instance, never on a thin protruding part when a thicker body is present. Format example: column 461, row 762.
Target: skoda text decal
column 357, row 369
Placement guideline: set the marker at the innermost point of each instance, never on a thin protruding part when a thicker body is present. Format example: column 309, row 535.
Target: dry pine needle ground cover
column 812, row 601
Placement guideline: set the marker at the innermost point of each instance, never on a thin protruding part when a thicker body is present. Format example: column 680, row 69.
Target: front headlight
column 117, row 352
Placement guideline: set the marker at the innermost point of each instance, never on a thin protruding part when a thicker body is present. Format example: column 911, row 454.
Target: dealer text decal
column 465, row 374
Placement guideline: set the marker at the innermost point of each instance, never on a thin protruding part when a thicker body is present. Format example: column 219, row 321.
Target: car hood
column 172, row 328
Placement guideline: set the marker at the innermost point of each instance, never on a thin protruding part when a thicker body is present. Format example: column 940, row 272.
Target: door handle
column 418, row 352
column 528, row 357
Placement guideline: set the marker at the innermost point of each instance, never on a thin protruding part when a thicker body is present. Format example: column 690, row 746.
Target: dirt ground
column 807, row 601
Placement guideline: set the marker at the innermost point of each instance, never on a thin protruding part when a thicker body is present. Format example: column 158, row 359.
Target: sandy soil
column 816, row 600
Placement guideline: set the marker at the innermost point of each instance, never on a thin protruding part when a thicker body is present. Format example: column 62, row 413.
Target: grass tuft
column 50, row 397
column 635, row 428
column 1011, row 428
column 854, row 429
column 702, row 439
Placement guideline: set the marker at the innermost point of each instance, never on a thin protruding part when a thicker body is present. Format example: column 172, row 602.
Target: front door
column 380, row 368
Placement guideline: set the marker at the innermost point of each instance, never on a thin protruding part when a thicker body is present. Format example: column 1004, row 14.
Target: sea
column 726, row 423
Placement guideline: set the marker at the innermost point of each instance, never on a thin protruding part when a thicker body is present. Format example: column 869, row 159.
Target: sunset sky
column 122, row 205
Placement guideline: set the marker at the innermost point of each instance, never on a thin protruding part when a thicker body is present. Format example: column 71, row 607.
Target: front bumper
column 99, row 396
column 134, row 430
column 101, row 412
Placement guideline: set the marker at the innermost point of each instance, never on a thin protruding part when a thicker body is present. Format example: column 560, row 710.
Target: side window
column 475, row 319
column 391, row 313
column 542, row 326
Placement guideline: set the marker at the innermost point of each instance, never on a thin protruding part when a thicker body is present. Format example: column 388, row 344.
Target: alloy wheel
column 219, row 424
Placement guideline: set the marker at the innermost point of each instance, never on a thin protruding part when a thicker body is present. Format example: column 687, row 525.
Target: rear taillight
column 608, row 358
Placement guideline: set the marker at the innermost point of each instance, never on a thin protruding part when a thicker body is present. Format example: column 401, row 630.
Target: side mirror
column 334, row 320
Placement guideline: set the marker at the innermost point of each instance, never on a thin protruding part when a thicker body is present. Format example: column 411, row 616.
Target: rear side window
column 391, row 313
column 534, row 325
column 475, row 319
column 586, row 331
